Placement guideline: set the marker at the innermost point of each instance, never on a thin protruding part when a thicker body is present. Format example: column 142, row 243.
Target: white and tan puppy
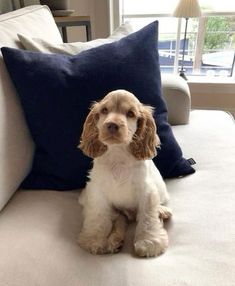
column 120, row 134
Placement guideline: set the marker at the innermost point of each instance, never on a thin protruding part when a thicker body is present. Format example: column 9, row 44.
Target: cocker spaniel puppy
column 120, row 134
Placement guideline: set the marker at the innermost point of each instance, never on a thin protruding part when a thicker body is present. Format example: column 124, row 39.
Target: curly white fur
column 121, row 184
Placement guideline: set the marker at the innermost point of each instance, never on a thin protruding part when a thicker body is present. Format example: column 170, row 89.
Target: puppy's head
column 119, row 118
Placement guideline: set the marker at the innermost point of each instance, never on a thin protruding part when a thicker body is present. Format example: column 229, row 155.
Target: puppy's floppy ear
column 90, row 143
column 145, row 140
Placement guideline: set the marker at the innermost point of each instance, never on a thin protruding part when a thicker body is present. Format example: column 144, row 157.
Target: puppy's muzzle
column 112, row 128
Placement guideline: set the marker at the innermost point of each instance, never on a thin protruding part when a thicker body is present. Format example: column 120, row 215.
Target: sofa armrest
column 16, row 146
column 177, row 95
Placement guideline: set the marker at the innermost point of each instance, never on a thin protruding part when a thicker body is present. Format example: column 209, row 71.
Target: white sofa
column 38, row 229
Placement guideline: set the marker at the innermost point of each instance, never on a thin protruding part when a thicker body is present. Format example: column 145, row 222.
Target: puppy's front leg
column 97, row 223
column 151, row 238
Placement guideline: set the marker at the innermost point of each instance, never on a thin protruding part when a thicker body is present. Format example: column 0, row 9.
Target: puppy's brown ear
column 90, row 143
column 145, row 140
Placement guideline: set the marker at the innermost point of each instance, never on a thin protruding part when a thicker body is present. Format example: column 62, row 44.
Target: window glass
column 210, row 41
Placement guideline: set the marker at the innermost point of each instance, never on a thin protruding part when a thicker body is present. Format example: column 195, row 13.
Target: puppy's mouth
column 112, row 139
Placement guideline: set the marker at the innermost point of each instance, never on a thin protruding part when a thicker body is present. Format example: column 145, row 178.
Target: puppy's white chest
column 119, row 171
column 115, row 174
column 117, row 164
column 118, row 187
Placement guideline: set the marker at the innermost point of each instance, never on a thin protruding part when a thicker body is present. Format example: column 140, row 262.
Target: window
column 210, row 44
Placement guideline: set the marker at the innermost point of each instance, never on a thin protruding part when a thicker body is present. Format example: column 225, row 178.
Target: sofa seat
column 38, row 229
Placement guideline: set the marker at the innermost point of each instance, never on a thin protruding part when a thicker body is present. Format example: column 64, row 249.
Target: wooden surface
column 74, row 18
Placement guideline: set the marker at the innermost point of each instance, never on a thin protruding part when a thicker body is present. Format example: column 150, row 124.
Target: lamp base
column 182, row 74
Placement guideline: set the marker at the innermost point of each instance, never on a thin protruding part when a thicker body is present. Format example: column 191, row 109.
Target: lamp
column 186, row 9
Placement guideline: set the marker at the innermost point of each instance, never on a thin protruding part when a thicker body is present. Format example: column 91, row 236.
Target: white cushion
column 44, row 46
column 16, row 148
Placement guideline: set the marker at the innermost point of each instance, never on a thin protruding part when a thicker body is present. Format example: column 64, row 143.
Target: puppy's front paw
column 95, row 245
column 151, row 247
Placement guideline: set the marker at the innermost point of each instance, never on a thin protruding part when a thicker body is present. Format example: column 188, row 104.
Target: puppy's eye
column 104, row 110
column 130, row 114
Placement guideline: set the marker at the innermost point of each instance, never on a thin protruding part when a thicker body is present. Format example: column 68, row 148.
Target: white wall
column 99, row 13
column 216, row 95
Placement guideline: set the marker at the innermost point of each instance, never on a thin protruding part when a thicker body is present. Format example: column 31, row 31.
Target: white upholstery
column 177, row 94
column 16, row 148
column 38, row 229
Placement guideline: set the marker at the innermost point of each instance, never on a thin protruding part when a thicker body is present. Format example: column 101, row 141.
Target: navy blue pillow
column 56, row 92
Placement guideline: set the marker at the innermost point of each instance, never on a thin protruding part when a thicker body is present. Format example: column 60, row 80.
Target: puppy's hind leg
column 117, row 235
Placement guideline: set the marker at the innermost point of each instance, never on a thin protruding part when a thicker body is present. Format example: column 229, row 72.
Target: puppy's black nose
column 112, row 127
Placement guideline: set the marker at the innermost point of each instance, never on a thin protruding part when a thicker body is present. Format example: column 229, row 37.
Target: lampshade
column 187, row 9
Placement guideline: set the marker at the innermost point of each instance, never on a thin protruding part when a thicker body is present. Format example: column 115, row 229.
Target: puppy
column 120, row 135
